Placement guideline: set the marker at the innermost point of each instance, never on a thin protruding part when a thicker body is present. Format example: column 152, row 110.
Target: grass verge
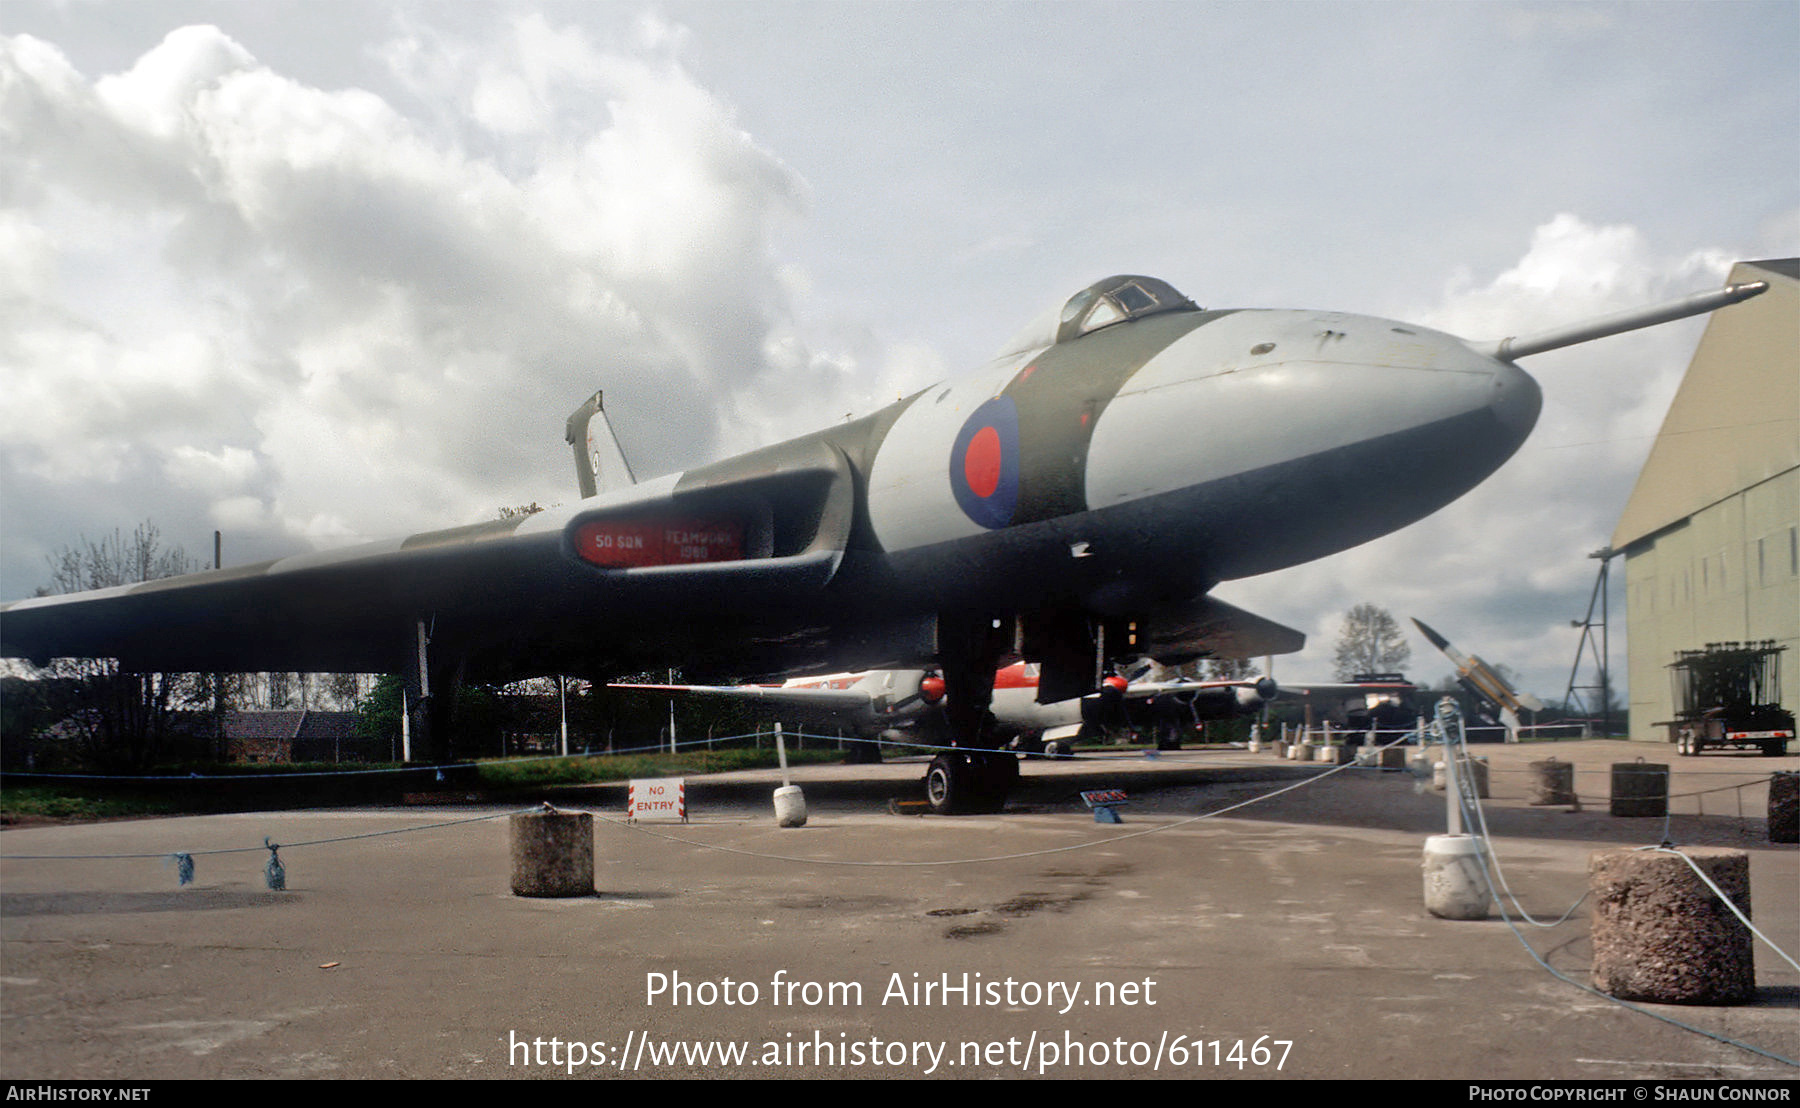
column 266, row 787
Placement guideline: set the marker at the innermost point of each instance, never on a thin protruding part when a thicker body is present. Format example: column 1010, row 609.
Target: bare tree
column 117, row 560
column 343, row 689
column 121, row 717
column 1370, row 642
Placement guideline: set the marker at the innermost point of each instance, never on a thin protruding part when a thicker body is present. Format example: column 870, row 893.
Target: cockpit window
column 1135, row 297
column 1101, row 304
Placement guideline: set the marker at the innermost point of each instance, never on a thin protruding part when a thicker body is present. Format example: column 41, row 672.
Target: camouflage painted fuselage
column 1115, row 470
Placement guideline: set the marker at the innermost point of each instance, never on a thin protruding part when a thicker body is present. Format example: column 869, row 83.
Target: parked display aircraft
column 907, row 705
column 1071, row 503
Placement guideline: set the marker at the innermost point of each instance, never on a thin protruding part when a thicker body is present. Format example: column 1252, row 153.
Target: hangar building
column 1711, row 533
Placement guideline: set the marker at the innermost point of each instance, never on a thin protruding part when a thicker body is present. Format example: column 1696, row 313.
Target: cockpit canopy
column 1102, row 304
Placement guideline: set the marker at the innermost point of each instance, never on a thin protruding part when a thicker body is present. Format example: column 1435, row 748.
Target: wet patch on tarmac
column 1027, row 903
column 973, row 930
column 1020, row 906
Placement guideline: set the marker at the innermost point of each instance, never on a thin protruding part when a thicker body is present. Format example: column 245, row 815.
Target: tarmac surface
column 1287, row 939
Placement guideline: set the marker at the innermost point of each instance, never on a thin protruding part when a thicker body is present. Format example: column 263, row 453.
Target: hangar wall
column 1711, row 532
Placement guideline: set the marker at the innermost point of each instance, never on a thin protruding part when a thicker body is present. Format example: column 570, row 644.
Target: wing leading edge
column 519, row 596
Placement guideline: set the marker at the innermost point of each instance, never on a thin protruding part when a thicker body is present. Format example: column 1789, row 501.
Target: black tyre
column 946, row 783
column 999, row 773
column 956, row 784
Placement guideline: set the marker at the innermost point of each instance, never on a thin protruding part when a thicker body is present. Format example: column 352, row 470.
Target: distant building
column 1711, row 533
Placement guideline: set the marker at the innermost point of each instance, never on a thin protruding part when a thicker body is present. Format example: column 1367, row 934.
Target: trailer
column 1728, row 697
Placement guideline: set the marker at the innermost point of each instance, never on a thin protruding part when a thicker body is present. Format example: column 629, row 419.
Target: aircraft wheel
column 1057, row 748
column 946, row 784
column 957, row 784
column 999, row 775
column 991, row 778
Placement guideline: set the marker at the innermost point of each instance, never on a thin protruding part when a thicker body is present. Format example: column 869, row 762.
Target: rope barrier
column 1471, row 804
column 1314, row 779
column 274, row 871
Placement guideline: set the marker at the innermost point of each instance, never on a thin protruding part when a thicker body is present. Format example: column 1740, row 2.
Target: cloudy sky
column 311, row 274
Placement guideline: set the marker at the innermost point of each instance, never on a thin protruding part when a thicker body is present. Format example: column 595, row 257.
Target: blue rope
column 274, row 872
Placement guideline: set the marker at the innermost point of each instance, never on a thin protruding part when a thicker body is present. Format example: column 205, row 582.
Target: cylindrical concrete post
column 1660, row 934
column 1552, row 782
column 1784, row 807
column 553, row 854
column 790, row 807
column 1454, row 885
column 1640, row 788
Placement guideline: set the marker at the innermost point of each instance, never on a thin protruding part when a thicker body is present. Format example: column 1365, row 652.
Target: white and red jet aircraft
column 904, row 705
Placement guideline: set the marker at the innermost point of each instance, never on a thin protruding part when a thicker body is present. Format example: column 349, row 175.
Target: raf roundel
column 984, row 464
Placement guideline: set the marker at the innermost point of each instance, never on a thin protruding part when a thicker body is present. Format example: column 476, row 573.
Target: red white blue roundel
column 984, row 464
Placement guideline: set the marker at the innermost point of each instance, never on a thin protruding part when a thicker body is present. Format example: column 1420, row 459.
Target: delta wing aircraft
column 1072, row 503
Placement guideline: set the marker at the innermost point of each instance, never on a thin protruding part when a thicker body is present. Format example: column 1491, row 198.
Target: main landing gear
column 961, row 782
column 977, row 776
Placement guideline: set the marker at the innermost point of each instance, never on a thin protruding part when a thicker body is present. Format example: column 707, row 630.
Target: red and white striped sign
column 657, row 798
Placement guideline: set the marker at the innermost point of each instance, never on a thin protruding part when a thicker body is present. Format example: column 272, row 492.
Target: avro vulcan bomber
column 1071, row 503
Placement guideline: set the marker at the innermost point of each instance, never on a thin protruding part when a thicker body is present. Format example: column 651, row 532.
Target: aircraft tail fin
column 600, row 465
